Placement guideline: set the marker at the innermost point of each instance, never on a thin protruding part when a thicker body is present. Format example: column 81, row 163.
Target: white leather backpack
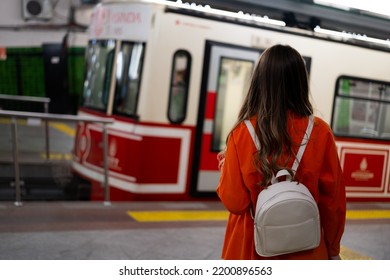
column 286, row 218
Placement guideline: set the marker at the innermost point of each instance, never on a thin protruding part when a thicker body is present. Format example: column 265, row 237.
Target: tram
column 173, row 75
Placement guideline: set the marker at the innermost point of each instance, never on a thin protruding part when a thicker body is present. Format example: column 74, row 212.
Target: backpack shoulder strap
column 253, row 133
column 305, row 140
column 302, row 148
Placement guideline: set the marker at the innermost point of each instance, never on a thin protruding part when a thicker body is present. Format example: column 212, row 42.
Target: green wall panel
column 23, row 73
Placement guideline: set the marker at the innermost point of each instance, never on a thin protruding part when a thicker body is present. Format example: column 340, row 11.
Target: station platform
column 45, row 167
column 74, row 230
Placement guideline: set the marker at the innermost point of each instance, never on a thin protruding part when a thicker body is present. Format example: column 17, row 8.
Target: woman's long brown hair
column 279, row 84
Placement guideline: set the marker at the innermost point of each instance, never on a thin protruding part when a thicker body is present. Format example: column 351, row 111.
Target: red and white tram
column 173, row 76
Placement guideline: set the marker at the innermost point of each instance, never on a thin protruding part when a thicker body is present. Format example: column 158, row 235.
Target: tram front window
column 128, row 74
column 99, row 62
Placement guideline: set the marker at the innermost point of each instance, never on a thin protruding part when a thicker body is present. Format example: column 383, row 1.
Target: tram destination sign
column 121, row 22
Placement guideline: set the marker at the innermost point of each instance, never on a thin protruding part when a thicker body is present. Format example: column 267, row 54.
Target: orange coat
column 319, row 170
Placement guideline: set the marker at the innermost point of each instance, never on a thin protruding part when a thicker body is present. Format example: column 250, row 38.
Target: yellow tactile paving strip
column 64, row 128
column 348, row 254
column 368, row 214
column 179, row 216
column 220, row 215
column 59, row 126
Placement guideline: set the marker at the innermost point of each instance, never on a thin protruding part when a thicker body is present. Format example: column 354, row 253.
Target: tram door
column 226, row 77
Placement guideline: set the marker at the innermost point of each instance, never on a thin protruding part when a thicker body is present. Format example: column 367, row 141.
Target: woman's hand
column 221, row 159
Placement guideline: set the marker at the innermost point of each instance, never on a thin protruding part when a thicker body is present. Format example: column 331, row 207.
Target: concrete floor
column 93, row 231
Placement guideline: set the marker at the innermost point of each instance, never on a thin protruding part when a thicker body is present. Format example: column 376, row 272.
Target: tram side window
column 178, row 93
column 232, row 86
column 99, row 62
column 128, row 77
column 361, row 108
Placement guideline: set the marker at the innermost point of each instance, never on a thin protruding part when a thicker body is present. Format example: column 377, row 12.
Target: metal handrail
column 45, row 101
column 25, row 98
column 55, row 117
